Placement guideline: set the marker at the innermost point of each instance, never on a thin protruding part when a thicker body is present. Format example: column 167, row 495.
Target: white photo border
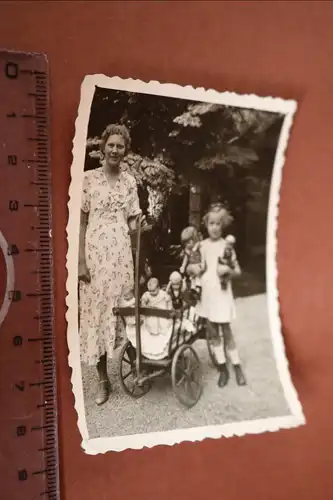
column 138, row 441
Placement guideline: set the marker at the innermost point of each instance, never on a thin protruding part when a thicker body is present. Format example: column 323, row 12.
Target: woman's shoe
column 103, row 392
column 240, row 377
column 224, row 375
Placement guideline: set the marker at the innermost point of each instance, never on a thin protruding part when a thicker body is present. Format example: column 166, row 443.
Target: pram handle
column 148, row 311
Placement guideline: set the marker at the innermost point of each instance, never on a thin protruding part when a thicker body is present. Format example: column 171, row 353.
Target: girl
column 216, row 304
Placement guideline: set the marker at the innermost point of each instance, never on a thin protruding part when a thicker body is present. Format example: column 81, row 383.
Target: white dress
column 154, row 347
column 155, row 343
column 216, row 305
column 162, row 300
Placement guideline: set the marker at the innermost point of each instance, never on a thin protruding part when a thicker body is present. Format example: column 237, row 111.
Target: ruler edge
column 56, row 448
column 16, row 53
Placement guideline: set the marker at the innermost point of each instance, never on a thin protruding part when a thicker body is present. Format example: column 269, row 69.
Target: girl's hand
column 84, row 274
column 194, row 270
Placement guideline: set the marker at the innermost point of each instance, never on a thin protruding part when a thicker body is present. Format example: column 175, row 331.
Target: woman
column 109, row 208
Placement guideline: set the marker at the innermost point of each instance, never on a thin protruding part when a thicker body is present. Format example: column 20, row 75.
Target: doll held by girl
column 217, row 305
column 192, row 265
column 227, row 259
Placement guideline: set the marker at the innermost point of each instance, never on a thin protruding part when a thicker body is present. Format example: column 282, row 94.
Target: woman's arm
column 133, row 208
column 133, row 223
column 84, row 274
column 82, row 241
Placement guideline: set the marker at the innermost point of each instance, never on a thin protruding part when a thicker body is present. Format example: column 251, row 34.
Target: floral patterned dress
column 109, row 259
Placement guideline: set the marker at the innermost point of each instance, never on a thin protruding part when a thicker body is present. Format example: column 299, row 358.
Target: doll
column 192, row 265
column 155, row 332
column 227, row 259
column 175, row 289
column 155, row 297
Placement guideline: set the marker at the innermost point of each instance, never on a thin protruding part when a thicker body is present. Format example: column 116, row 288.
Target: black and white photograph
column 174, row 330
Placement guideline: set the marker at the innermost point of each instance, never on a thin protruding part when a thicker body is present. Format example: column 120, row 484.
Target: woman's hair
column 220, row 209
column 116, row 129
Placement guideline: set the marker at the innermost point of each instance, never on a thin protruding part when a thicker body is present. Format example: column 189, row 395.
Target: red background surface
column 268, row 48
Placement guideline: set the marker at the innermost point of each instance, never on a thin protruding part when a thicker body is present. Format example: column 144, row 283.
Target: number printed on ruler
column 27, row 361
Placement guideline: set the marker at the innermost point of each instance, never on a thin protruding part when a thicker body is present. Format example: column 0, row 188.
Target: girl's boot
column 223, row 376
column 239, row 374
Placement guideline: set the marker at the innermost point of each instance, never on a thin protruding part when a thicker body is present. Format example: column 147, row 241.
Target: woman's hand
column 84, row 274
column 134, row 225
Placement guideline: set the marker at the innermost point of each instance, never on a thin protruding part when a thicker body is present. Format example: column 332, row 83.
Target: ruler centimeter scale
column 29, row 466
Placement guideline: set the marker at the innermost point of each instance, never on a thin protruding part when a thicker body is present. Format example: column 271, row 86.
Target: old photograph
column 173, row 308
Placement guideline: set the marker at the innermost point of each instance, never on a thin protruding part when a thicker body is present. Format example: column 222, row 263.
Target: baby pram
column 181, row 361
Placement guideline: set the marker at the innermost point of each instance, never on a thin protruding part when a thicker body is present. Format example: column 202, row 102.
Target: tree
column 176, row 142
column 185, row 136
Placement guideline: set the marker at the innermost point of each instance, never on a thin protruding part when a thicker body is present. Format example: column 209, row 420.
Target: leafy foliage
column 176, row 142
column 179, row 135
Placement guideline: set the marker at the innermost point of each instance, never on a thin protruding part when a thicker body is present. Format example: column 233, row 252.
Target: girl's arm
column 236, row 269
column 184, row 264
column 225, row 270
column 203, row 263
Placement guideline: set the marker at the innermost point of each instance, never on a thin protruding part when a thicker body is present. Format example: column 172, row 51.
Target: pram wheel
column 128, row 374
column 186, row 375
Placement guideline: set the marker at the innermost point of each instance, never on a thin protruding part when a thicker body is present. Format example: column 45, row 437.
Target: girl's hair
column 189, row 233
column 116, row 129
column 219, row 208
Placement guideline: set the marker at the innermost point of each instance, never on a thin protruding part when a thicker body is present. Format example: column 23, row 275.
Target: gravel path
column 262, row 397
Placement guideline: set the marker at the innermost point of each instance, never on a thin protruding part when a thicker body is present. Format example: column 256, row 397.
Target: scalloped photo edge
column 139, row 441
